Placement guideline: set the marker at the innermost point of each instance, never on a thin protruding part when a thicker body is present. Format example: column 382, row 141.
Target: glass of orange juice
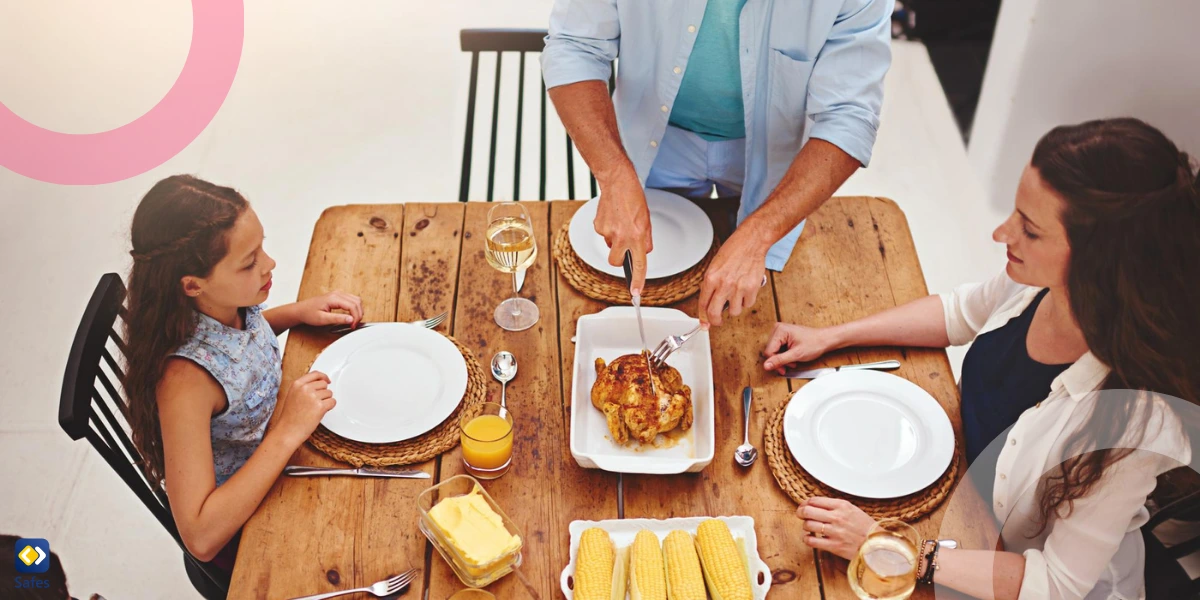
column 487, row 442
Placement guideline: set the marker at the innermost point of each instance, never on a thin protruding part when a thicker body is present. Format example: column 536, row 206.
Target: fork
column 429, row 323
column 380, row 589
column 669, row 346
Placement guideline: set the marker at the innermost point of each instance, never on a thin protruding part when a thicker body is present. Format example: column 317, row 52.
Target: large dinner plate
column 392, row 382
column 682, row 236
column 869, row 434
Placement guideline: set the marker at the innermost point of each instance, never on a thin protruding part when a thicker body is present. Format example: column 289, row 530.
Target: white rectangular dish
column 613, row 332
column 622, row 532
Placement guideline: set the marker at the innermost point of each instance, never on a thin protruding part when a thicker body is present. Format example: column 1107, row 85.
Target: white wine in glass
column 511, row 248
column 885, row 567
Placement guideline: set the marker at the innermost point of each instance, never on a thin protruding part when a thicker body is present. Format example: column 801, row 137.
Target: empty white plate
column 392, row 382
column 682, row 236
column 869, row 434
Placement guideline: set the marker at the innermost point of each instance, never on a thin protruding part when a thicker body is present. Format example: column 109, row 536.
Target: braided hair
column 180, row 228
column 1131, row 212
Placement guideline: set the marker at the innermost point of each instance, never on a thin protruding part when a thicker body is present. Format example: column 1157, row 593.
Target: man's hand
column 624, row 221
column 734, row 277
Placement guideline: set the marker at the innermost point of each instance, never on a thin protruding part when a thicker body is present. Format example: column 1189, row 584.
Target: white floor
column 334, row 103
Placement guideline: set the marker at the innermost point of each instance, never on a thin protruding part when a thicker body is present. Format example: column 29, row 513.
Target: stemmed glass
column 512, row 248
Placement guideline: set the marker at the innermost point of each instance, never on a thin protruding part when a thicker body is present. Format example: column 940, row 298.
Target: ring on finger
column 824, row 526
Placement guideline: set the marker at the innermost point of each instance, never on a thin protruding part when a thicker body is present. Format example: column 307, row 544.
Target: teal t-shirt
column 709, row 102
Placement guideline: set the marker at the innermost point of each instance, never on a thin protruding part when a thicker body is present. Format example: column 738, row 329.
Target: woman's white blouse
column 1096, row 552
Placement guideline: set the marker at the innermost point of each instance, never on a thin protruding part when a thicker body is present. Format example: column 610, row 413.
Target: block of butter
column 473, row 528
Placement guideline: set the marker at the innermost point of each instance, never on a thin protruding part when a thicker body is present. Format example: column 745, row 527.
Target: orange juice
column 487, row 442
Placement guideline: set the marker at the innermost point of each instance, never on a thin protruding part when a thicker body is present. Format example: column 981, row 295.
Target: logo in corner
column 32, row 555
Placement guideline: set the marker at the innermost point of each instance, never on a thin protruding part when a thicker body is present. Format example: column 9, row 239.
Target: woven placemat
column 800, row 486
column 416, row 450
column 613, row 290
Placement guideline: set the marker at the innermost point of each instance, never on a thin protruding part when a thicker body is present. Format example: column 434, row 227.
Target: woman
column 1100, row 293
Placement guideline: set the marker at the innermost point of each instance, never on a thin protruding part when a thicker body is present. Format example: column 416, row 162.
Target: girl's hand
column 790, row 344
column 305, row 405
column 843, row 525
column 319, row 311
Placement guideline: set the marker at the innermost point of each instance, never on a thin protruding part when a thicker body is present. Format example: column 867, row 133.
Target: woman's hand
column 790, row 344
column 305, row 405
column 836, row 526
column 319, row 311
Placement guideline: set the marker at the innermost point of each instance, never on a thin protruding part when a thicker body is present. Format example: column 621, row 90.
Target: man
column 773, row 100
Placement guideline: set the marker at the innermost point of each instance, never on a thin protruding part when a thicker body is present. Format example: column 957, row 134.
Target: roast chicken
column 623, row 393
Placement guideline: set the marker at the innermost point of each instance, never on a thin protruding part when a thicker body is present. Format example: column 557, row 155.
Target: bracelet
column 922, row 564
column 929, row 549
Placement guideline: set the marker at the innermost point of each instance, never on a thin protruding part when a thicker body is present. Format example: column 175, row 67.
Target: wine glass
column 885, row 567
column 512, row 248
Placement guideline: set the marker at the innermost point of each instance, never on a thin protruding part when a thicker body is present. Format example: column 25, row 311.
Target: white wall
column 1056, row 62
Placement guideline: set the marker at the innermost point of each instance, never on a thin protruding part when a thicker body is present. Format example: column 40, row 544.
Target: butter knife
column 301, row 471
column 637, row 309
column 815, row 373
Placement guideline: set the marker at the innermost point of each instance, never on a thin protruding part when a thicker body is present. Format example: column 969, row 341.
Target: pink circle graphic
column 218, row 28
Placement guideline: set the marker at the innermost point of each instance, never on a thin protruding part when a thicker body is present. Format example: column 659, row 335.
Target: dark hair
column 181, row 227
column 54, row 576
column 1132, row 217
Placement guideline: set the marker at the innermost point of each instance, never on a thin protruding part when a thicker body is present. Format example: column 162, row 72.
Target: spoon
column 504, row 368
column 745, row 454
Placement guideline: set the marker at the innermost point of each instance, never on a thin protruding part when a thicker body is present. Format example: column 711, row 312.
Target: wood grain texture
column 856, row 258
column 354, row 249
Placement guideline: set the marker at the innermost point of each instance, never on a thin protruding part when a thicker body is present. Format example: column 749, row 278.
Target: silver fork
column 429, row 323
column 669, row 346
column 380, row 589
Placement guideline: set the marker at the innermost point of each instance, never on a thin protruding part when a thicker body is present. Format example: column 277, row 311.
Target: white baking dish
column 622, row 532
column 613, row 332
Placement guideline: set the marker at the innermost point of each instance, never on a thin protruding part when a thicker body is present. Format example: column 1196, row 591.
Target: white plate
column 392, row 382
column 869, row 434
column 613, row 332
column 682, row 236
column 622, row 532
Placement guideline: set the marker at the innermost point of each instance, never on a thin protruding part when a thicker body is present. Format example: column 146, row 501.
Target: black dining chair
column 1166, row 579
column 522, row 42
column 91, row 407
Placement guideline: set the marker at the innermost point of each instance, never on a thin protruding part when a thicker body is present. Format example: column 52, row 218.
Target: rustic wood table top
column 314, row 535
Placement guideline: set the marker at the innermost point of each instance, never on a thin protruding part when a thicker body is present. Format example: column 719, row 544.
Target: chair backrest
column 92, row 406
column 500, row 41
column 1169, row 579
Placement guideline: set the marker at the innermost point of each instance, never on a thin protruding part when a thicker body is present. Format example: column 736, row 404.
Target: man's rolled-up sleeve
column 582, row 43
column 845, row 92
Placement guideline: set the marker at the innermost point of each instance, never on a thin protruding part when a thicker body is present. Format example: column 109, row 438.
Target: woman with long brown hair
column 1099, row 295
column 204, row 360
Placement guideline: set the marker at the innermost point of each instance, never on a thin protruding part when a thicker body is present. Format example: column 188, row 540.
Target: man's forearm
column 586, row 110
column 818, row 170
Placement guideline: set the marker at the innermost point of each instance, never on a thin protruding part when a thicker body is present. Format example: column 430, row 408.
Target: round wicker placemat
column 416, row 450
column 800, row 486
column 613, row 290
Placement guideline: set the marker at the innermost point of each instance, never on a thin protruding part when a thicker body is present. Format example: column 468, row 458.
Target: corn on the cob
column 594, row 566
column 647, row 577
column 684, row 578
column 723, row 563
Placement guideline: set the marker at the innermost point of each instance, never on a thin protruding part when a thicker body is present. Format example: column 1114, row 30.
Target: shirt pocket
column 787, row 124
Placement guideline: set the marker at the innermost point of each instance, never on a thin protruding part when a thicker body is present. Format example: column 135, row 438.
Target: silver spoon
column 745, row 454
column 504, row 368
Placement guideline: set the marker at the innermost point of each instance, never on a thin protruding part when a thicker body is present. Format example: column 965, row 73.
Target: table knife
column 300, row 471
column 815, row 373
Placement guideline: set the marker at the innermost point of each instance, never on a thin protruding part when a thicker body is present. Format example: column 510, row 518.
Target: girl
column 204, row 360
column 1099, row 293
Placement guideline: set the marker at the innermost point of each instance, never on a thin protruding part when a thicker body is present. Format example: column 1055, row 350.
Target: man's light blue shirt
column 809, row 69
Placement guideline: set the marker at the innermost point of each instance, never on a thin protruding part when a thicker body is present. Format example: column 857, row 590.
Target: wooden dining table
column 409, row 261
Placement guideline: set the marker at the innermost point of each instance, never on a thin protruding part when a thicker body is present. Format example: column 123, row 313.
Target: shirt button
column 677, row 70
column 1003, row 477
column 691, row 29
column 653, row 144
column 664, row 108
column 1012, row 442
